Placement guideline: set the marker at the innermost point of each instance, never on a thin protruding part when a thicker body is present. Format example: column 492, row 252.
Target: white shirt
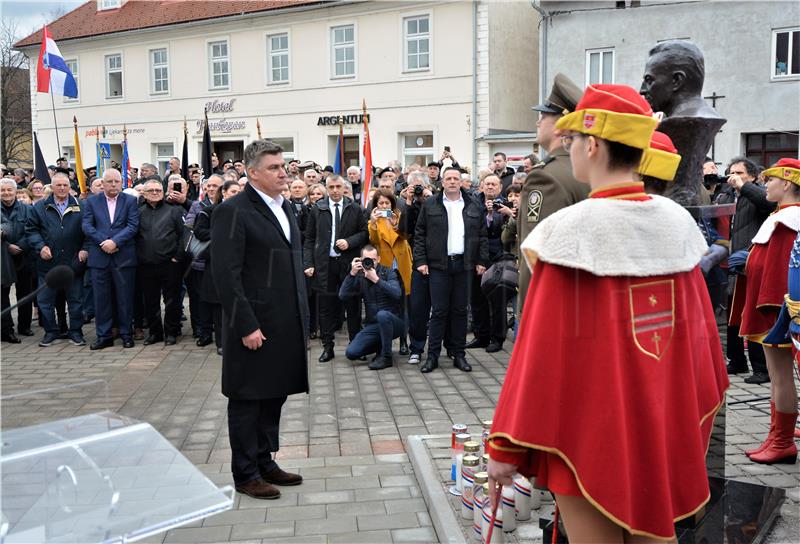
column 276, row 205
column 332, row 204
column 455, row 225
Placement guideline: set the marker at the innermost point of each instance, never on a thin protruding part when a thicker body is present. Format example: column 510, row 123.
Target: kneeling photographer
column 380, row 288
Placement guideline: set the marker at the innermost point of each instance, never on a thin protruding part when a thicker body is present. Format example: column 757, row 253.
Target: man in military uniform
column 550, row 185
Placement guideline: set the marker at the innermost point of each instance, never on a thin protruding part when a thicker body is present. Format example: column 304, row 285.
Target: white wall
column 735, row 37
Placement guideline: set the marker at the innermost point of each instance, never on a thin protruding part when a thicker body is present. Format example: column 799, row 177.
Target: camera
column 713, row 179
column 385, row 213
column 498, row 202
column 175, row 186
column 367, row 263
column 418, row 190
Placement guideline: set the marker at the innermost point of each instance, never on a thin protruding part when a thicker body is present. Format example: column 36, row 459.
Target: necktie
column 337, row 218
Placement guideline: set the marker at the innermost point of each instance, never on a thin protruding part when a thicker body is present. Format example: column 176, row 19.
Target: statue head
column 673, row 76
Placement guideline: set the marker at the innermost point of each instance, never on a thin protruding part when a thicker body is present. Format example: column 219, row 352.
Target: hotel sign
column 333, row 120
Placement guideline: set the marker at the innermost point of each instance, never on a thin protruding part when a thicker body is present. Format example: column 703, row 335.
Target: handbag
column 194, row 248
column 501, row 279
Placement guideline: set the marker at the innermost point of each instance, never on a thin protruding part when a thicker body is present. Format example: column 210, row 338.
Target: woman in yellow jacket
column 392, row 246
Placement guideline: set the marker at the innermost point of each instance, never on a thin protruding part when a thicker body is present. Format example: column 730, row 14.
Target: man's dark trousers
column 376, row 337
column 47, row 301
column 330, row 306
column 253, row 429
column 735, row 352
column 157, row 280
column 107, row 283
column 449, row 293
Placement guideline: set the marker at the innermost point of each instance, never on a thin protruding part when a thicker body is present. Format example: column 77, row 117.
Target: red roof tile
column 86, row 20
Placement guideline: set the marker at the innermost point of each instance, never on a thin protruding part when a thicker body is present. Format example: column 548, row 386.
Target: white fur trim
column 619, row 238
column 789, row 217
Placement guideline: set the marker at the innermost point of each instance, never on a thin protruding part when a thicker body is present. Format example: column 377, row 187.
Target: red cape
column 758, row 295
column 621, row 378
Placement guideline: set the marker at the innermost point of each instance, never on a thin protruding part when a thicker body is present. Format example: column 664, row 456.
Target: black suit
column 258, row 274
column 330, row 271
column 450, row 276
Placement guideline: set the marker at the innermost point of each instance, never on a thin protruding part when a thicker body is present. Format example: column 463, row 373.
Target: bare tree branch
column 15, row 99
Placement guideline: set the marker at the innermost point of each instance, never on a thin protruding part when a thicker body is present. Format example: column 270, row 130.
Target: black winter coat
column 430, row 244
column 316, row 248
column 160, row 231
column 259, row 278
column 752, row 208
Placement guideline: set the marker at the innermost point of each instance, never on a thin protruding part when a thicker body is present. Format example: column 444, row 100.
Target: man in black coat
column 19, row 264
column 257, row 265
column 450, row 242
column 335, row 233
column 502, row 170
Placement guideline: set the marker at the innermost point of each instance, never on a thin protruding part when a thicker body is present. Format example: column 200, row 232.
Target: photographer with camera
column 385, row 234
column 380, row 288
column 489, row 316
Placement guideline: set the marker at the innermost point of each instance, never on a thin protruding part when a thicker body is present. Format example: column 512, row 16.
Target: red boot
column 782, row 449
column 768, row 440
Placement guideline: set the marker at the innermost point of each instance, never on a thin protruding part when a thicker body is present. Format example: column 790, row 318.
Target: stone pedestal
column 692, row 137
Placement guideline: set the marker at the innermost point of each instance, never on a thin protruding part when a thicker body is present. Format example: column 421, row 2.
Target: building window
column 108, row 4
column 785, row 53
column 219, row 69
column 278, row 58
column 417, row 43
column 159, row 71
column 163, row 153
column 417, row 148
column 288, row 147
column 766, row 148
column 599, row 66
column 68, row 151
column 343, row 51
column 114, row 76
column 72, row 64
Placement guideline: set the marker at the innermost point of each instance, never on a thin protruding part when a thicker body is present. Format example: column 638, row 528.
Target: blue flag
column 125, row 164
column 337, row 162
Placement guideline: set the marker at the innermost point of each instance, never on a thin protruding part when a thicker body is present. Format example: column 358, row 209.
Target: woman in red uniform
column 763, row 286
column 617, row 372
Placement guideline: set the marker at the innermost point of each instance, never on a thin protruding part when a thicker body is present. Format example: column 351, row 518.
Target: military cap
column 563, row 98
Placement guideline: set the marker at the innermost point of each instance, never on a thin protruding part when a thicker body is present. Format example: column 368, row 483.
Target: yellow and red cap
column 661, row 159
column 788, row 169
column 612, row 112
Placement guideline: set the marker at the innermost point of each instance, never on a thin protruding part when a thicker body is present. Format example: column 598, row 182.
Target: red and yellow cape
column 614, row 383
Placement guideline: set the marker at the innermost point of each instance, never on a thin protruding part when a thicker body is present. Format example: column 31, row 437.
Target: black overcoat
column 259, row 278
column 317, row 243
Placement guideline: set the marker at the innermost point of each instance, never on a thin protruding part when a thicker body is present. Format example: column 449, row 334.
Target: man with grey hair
column 354, row 177
column 258, row 272
column 55, row 234
column 335, row 233
column 18, row 258
column 110, row 222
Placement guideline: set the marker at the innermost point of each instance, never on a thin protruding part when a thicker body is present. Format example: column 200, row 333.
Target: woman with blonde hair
column 316, row 192
column 392, row 246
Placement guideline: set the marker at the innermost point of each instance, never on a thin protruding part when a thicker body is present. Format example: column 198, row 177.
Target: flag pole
column 341, row 145
column 258, row 128
column 55, row 122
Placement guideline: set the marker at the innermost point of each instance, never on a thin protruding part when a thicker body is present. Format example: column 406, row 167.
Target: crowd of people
column 443, row 293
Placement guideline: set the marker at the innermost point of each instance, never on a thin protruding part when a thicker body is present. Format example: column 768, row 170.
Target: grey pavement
column 346, row 437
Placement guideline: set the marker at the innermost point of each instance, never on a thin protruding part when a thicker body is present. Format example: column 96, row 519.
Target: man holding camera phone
column 380, row 288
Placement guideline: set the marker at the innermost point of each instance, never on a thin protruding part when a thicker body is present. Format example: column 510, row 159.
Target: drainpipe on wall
column 474, row 123
column 542, row 49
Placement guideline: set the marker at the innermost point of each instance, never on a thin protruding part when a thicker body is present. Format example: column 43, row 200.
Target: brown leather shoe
column 138, row 334
column 278, row 476
column 259, row 489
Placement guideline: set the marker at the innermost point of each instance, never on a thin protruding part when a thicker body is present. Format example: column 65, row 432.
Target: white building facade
column 296, row 71
column 752, row 60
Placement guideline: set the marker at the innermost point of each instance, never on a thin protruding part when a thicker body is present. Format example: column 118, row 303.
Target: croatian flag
column 52, row 72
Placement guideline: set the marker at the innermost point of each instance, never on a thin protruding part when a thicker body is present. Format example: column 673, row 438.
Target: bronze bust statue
column 673, row 80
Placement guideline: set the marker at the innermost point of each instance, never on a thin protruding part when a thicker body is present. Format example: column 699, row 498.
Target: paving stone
column 401, row 520
column 359, row 482
column 356, row 508
column 406, row 505
column 235, row 517
column 204, row 534
column 244, row 531
column 325, row 472
column 328, row 526
column 370, row 537
column 384, row 493
column 326, row 497
column 418, row 534
column 397, row 481
column 304, row 539
column 291, row 513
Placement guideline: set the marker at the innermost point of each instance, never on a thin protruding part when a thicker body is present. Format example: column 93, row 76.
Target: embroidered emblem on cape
column 588, row 120
column 787, row 173
column 652, row 316
column 534, row 206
